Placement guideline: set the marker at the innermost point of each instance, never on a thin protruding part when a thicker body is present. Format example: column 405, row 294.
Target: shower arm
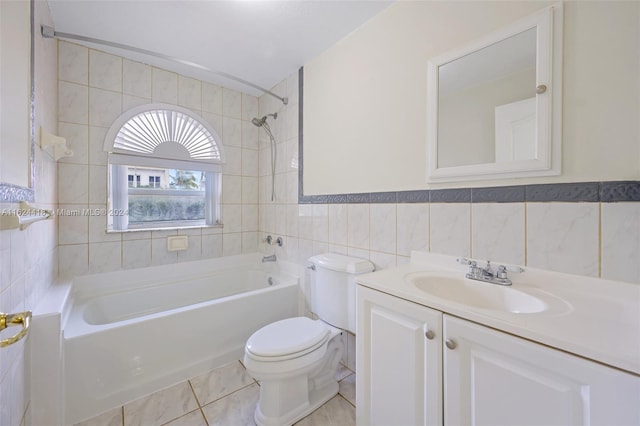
column 49, row 32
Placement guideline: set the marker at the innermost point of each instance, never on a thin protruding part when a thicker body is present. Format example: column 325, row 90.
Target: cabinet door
column 399, row 380
column 493, row 378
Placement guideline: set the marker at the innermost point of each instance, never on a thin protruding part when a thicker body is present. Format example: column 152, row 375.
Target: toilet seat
column 287, row 339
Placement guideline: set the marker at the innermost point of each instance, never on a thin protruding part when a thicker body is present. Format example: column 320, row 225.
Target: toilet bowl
column 296, row 359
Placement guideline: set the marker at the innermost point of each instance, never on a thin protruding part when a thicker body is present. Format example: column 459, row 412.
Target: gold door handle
column 8, row 320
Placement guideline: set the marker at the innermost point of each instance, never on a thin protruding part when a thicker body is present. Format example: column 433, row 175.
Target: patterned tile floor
column 226, row 396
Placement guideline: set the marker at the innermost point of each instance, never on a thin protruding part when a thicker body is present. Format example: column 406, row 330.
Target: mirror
column 17, row 133
column 491, row 103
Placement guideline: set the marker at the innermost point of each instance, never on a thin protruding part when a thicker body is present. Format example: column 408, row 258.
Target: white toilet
column 296, row 359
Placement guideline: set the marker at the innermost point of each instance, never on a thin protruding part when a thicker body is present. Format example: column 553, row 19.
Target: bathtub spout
column 271, row 258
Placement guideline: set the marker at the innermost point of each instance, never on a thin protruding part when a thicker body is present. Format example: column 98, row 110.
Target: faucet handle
column 502, row 272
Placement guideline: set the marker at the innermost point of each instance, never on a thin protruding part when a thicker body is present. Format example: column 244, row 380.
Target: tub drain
column 270, row 280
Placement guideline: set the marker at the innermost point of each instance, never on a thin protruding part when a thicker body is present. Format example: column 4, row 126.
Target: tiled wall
column 28, row 262
column 94, row 89
column 584, row 238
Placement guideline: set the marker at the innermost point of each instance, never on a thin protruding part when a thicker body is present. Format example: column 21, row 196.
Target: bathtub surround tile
column 233, row 166
column 96, row 145
column 498, row 232
column 112, row 417
column 105, row 71
column 621, row 241
column 130, row 102
column 321, row 223
column 97, row 184
column 164, row 86
column 77, row 136
column 212, row 98
column 73, row 260
column 249, row 242
column 73, row 63
column 220, row 382
column 231, row 244
column 231, row 103
column 450, row 228
column 211, row 246
column 104, row 107
column 73, row 229
column 73, row 103
column 232, row 218
column 231, row 131
column 236, row 409
column 249, row 162
column 73, row 184
column 136, row 254
column 189, row 93
column 136, row 79
column 105, row 257
column 412, row 228
column 250, row 136
column 250, row 190
column 336, row 412
column 249, row 107
column 161, row 407
column 563, row 237
column 160, row 255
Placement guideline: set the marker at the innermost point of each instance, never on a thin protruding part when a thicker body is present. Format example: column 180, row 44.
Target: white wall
column 95, row 88
column 28, row 261
column 365, row 97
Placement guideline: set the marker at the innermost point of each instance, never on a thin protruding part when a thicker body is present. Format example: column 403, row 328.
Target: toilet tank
column 333, row 288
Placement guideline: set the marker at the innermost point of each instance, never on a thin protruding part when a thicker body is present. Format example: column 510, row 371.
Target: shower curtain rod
column 49, row 32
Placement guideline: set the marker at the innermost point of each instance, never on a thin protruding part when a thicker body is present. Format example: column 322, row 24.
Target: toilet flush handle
column 312, row 267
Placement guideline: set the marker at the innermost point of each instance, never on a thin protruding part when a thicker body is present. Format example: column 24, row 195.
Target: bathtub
column 130, row 333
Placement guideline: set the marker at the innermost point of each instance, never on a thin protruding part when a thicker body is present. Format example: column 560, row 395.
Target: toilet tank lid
column 342, row 263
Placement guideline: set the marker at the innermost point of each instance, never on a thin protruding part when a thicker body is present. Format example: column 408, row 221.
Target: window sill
column 164, row 228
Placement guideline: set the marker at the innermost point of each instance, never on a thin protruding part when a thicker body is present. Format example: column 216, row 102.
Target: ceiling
column 262, row 42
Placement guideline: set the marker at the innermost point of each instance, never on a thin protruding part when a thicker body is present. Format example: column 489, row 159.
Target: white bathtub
column 129, row 333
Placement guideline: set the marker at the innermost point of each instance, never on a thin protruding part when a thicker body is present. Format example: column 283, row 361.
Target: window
column 172, row 161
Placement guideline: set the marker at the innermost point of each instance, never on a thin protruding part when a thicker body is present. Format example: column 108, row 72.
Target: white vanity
column 436, row 348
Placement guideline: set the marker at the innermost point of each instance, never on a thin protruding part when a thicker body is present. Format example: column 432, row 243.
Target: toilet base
column 317, row 398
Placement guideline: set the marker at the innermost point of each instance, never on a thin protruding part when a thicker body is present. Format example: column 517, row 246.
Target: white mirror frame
column 548, row 105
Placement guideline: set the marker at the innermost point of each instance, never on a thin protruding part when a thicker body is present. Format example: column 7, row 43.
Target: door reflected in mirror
column 494, row 106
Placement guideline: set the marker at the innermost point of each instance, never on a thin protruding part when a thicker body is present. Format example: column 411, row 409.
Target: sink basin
column 476, row 294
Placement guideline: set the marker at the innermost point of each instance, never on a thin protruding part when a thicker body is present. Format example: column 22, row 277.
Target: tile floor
column 225, row 396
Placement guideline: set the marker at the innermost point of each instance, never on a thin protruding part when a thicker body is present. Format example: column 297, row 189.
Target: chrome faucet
column 486, row 274
column 271, row 258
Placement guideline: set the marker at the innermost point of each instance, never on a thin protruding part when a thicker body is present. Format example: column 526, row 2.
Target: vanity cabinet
column 494, row 378
column 399, row 361
column 464, row 373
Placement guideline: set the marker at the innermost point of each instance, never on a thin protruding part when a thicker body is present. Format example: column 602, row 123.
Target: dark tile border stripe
column 593, row 192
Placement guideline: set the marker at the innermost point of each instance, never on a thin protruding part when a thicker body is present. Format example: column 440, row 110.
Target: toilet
column 296, row 359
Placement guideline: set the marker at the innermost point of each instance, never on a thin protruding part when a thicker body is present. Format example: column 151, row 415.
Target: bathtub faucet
column 271, row 258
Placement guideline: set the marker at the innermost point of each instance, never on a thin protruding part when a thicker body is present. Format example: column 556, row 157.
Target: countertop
column 590, row 317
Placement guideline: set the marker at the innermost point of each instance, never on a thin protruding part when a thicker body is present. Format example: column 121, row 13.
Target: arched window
column 165, row 166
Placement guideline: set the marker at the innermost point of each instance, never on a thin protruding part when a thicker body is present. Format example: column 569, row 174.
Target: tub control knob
column 429, row 335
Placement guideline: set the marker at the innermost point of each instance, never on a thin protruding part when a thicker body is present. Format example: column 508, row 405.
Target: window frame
column 119, row 160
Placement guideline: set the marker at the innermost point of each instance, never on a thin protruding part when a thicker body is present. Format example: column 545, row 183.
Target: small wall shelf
column 23, row 216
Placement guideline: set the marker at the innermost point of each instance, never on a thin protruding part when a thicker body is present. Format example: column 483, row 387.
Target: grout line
column 349, row 402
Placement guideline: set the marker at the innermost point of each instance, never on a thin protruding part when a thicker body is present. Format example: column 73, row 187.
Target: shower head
column 259, row 122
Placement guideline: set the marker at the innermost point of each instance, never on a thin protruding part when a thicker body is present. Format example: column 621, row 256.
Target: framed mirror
column 17, row 129
column 494, row 106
